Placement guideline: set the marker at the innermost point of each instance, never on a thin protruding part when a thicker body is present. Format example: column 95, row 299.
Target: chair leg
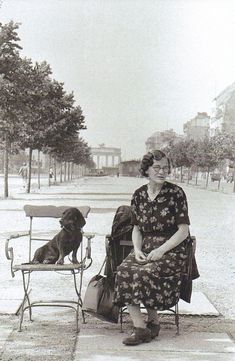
column 79, row 302
column 121, row 319
column 25, row 298
column 177, row 319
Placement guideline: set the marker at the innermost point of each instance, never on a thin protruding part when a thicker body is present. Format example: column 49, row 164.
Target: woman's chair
column 27, row 242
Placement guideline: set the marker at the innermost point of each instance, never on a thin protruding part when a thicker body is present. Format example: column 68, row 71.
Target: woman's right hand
column 140, row 256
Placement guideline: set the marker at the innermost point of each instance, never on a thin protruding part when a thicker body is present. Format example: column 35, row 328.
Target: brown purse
column 98, row 299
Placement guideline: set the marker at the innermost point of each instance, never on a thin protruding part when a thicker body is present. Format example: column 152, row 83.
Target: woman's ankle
column 139, row 323
column 153, row 316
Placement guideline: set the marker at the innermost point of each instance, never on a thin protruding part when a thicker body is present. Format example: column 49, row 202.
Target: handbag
column 98, row 299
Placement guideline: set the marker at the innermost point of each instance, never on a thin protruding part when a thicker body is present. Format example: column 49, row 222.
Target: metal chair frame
column 27, row 268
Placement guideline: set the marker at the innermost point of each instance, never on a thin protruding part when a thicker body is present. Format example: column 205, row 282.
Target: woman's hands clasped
column 155, row 255
column 140, row 256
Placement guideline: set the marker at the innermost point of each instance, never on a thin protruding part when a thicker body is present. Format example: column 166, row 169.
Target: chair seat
column 47, row 267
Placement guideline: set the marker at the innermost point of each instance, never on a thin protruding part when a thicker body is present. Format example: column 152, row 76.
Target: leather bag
column 98, row 299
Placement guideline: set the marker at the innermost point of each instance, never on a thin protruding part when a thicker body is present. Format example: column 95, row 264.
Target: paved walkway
column 196, row 346
column 205, row 335
column 52, row 337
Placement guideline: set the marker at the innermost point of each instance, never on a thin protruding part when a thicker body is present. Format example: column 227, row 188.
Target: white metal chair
column 27, row 268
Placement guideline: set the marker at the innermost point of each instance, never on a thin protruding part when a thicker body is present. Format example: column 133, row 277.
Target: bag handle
column 102, row 266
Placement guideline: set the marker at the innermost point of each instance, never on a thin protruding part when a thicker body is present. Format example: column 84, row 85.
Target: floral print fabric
column 155, row 284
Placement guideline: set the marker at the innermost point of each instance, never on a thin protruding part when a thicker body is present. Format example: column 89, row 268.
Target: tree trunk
column 39, row 170
column 6, row 165
column 188, row 175
column 196, row 176
column 49, row 167
column 68, row 171
column 181, row 174
column 55, row 170
column 29, row 170
column 65, row 171
column 72, row 171
column 207, row 177
column 234, row 179
column 61, row 171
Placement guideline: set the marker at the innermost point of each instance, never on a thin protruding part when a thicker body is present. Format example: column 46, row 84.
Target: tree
column 10, row 95
column 179, row 153
column 35, row 110
column 71, row 150
column 225, row 150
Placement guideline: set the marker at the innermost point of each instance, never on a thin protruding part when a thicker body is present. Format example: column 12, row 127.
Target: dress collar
column 162, row 190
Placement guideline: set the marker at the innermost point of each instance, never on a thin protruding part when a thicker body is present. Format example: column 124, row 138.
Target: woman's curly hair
column 148, row 159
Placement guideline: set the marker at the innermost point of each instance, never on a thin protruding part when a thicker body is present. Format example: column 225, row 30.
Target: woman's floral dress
column 155, row 284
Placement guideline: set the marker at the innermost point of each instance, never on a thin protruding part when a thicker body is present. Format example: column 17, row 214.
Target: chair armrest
column 9, row 250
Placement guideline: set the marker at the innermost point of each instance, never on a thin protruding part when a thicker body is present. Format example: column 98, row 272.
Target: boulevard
column 51, row 336
column 211, row 213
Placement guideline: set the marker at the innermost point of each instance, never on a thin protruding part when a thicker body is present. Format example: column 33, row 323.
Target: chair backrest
column 51, row 211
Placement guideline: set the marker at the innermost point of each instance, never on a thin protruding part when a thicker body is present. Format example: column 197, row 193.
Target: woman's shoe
column 140, row 335
column 154, row 328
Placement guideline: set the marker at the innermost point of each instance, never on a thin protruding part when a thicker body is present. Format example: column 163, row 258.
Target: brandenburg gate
column 103, row 155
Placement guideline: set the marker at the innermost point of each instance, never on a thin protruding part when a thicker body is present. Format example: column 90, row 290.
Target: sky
column 135, row 66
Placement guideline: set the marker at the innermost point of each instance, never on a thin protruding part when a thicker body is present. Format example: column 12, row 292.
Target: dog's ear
column 80, row 219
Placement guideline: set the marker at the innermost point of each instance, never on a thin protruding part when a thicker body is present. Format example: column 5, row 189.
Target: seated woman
column 151, row 273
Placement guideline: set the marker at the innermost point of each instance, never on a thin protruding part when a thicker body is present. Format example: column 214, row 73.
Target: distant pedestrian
column 23, row 171
column 117, row 174
column 51, row 173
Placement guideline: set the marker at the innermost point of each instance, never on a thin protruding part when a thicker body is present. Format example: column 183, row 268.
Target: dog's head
column 72, row 219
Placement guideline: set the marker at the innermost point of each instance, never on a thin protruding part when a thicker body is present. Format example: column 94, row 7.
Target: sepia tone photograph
column 117, row 180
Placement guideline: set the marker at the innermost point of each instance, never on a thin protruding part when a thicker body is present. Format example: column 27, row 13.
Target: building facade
column 106, row 156
column 223, row 116
column 198, row 127
column 160, row 139
column 130, row 168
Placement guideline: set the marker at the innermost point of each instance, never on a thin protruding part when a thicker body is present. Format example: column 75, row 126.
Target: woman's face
column 158, row 171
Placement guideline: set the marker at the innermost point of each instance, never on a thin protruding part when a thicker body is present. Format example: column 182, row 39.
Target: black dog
column 66, row 241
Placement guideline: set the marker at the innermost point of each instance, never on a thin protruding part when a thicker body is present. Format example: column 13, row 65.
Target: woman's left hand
column 155, row 255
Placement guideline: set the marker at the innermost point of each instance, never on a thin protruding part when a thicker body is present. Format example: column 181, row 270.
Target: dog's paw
column 74, row 260
column 46, row 261
column 35, row 261
column 60, row 261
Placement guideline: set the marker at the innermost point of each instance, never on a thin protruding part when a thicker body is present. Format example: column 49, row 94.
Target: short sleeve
column 181, row 208
column 134, row 210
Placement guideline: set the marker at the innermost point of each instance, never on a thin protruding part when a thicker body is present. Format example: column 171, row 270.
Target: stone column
column 98, row 161
column 106, row 160
column 112, row 160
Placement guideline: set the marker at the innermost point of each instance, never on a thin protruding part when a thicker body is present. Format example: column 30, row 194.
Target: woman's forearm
column 136, row 238
column 176, row 239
